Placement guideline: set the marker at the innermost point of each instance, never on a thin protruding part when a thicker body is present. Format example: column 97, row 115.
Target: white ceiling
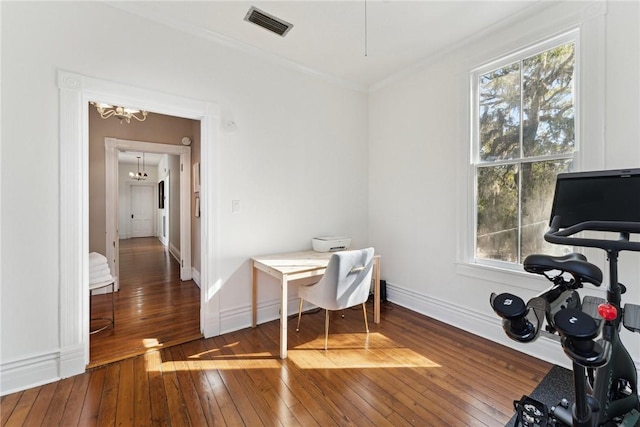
column 328, row 37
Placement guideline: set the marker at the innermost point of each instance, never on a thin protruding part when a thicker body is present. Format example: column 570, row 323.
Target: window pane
column 548, row 107
column 499, row 114
column 538, row 186
column 497, row 236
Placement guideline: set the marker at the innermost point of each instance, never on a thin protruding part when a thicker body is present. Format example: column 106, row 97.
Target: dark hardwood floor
column 409, row 370
column 153, row 308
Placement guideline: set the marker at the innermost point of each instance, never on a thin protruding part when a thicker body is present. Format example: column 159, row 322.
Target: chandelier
column 140, row 176
column 122, row 113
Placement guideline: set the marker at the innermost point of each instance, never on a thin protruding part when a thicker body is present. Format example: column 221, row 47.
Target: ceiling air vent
column 267, row 21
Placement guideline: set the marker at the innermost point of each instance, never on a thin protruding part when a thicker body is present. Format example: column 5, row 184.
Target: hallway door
column 142, row 209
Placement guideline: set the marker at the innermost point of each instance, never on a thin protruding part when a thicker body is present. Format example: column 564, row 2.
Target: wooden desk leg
column 376, row 290
column 283, row 317
column 254, row 295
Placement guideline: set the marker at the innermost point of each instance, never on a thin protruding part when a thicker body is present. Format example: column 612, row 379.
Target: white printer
column 330, row 243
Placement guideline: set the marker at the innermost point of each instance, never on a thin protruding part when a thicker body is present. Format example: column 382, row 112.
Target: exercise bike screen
column 597, row 196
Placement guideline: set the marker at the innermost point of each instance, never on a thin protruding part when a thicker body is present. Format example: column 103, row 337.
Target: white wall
column 297, row 160
column 419, row 148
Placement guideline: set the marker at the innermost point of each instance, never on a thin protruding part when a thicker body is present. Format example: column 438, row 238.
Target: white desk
column 302, row 267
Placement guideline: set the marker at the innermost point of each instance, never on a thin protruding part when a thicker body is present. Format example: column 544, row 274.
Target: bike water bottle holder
column 578, row 330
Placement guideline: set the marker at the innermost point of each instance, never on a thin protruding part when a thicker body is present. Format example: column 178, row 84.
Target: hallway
column 153, row 308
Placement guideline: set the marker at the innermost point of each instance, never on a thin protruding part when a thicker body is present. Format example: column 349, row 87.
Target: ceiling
column 328, row 37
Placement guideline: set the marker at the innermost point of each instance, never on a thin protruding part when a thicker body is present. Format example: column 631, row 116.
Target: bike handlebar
column 564, row 236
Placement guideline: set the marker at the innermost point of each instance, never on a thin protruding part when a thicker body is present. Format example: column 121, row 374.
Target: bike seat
column 574, row 263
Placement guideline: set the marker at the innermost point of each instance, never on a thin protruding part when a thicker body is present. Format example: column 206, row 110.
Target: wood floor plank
column 410, row 370
column 158, row 398
column 59, row 399
column 175, row 400
column 251, row 385
column 187, row 388
column 93, row 398
column 142, row 398
column 109, row 397
column 126, row 394
column 23, row 407
column 230, row 412
column 75, row 404
column 238, row 394
column 7, row 405
column 206, row 395
column 267, row 379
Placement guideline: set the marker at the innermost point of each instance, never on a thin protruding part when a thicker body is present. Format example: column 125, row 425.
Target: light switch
column 235, row 206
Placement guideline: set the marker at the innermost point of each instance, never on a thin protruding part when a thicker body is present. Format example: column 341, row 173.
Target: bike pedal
column 531, row 413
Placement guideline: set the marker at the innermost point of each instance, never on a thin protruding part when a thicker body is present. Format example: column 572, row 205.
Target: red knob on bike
column 607, row 311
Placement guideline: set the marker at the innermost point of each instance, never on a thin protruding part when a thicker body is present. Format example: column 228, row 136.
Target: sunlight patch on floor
column 263, row 360
column 360, row 351
column 341, row 358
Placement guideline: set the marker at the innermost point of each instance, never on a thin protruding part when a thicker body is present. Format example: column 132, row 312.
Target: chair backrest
column 345, row 283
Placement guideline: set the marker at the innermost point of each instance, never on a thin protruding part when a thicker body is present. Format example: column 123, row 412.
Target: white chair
column 346, row 283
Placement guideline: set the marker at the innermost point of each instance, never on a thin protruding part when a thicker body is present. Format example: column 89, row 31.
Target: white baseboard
column 481, row 324
column 240, row 317
column 195, row 276
column 175, row 252
column 124, row 236
column 546, row 347
column 31, row 371
column 36, row 370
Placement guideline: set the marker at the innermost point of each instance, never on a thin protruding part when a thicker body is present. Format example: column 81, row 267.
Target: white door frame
column 76, row 91
column 111, row 146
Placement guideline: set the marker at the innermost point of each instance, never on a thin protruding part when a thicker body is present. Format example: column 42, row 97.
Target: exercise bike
column 604, row 374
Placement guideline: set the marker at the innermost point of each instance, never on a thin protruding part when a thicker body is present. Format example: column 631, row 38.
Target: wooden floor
column 154, row 309
column 409, row 370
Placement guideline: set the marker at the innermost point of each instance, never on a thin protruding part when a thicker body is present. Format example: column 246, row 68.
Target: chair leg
column 299, row 315
column 364, row 310
column 326, row 329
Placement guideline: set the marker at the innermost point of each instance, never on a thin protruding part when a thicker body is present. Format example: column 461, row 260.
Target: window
column 524, row 121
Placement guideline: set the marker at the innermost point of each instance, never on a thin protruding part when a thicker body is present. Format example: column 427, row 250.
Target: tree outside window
column 525, row 112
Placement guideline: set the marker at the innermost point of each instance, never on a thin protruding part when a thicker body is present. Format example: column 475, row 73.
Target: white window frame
column 590, row 19
column 571, row 36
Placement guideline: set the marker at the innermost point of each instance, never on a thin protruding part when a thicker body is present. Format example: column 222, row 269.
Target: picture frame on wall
column 196, row 177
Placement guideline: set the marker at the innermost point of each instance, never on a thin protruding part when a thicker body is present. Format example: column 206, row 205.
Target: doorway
column 76, row 90
column 149, row 274
column 182, row 207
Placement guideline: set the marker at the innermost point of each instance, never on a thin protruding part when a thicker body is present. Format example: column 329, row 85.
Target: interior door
column 142, row 210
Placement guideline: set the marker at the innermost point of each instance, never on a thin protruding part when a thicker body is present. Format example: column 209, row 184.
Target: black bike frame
column 621, row 364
